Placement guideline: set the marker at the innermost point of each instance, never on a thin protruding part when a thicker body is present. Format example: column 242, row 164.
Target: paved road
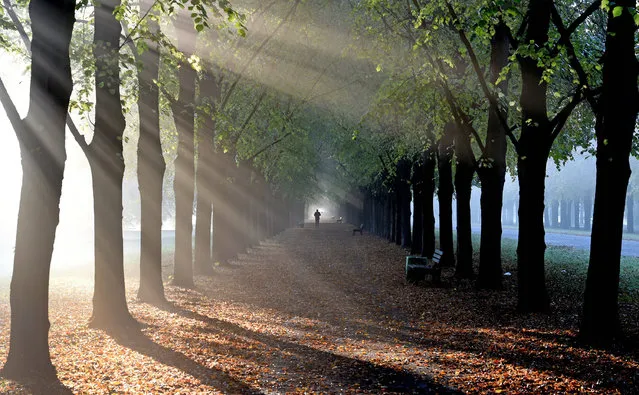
column 629, row 247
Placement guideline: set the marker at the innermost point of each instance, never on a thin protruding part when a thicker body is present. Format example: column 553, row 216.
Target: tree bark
column 393, row 217
column 445, row 195
column 41, row 136
column 404, row 198
column 244, row 190
column 397, row 197
column 492, row 173
column 210, row 93
column 531, row 245
column 534, row 148
column 616, row 117
column 235, row 209
column 110, row 309
column 151, row 167
column 555, row 213
column 223, row 211
column 565, row 214
column 418, row 201
column 388, row 216
column 184, row 114
column 464, row 171
column 576, row 213
column 428, row 215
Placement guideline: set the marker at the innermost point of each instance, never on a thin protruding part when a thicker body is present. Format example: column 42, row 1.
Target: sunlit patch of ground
column 321, row 311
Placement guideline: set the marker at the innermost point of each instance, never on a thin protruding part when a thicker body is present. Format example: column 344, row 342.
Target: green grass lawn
column 569, row 266
column 566, row 268
column 579, row 232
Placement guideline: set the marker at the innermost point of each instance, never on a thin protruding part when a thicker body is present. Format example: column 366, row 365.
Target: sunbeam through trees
column 295, row 196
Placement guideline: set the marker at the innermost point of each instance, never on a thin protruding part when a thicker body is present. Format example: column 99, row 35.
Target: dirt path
column 316, row 292
column 322, row 311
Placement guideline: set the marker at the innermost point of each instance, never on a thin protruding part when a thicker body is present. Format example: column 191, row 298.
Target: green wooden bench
column 417, row 267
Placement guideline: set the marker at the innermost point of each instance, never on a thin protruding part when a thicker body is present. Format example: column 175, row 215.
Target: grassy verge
column 578, row 232
column 566, row 269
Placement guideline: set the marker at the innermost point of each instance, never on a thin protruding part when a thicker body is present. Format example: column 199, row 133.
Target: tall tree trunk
column 244, row 192
column 404, row 198
column 388, row 216
column 531, row 246
column 576, row 213
column 393, row 217
column 445, row 195
column 380, row 205
column 418, row 202
column 616, row 119
column 464, row 171
column 203, row 213
column 492, row 174
column 234, row 202
column 565, row 214
column 110, row 310
column 222, row 210
column 210, row 93
column 555, row 213
column 185, row 161
column 255, row 209
column 428, row 215
column 151, row 167
column 41, row 137
column 397, row 197
column 534, row 148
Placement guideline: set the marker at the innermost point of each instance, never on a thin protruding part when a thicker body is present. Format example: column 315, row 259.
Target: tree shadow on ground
column 339, row 371
column 555, row 355
column 139, row 342
column 41, row 386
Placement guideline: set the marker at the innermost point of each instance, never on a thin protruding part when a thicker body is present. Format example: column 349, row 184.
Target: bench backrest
column 361, row 227
column 437, row 256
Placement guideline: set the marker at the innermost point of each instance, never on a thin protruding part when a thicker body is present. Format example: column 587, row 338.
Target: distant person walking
column 317, row 215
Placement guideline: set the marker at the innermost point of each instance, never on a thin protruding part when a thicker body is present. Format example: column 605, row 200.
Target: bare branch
column 10, row 109
column 127, row 38
column 558, row 122
column 572, row 55
column 248, row 119
column 270, row 144
column 492, row 100
column 582, row 18
column 16, row 22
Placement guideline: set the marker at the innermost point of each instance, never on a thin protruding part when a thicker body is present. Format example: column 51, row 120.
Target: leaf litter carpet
column 321, row 311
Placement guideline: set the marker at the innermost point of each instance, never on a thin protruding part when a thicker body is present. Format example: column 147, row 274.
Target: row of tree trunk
column 233, row 200
column 615, row 107
column 569, row 214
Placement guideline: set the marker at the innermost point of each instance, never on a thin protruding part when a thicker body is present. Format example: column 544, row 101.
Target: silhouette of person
column 317, row 216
